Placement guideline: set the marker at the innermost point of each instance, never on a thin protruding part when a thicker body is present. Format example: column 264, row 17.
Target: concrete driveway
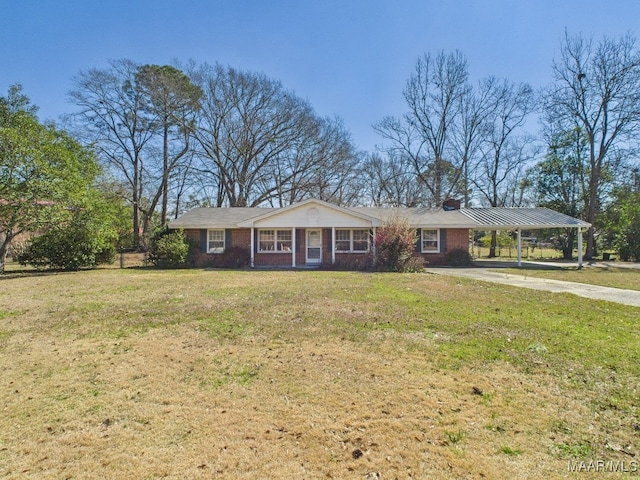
column 490, row 272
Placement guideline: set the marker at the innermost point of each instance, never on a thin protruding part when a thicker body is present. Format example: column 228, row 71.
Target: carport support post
column 579, row 247
column 519, row 247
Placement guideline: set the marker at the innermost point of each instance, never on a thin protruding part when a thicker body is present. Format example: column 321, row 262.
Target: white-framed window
column 343, row 240
column 215, row 241
column 352, row 240
column 275, row 240
column 430, row 240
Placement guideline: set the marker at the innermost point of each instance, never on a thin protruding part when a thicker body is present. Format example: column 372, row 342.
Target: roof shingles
column 471, row 218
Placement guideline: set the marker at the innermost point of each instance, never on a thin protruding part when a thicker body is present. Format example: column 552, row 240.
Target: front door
column 314, row 247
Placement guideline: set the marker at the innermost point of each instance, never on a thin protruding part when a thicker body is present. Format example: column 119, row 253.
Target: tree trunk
column 5, row 241
column 165, row 175
column 494, row 244
column 594, row 183
column 3, row 257
column 567, row 251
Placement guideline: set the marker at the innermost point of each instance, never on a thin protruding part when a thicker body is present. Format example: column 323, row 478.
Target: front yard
column 616, row 277
column 254, row 374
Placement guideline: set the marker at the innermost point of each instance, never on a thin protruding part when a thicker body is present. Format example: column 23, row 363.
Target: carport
column 518, row 219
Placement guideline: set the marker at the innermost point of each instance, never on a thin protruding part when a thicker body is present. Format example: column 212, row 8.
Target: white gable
column 313, row 214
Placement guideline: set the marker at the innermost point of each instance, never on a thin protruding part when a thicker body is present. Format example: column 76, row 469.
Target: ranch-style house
column 317, row 233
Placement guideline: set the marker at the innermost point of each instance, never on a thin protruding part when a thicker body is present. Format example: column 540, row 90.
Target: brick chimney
column 451, row 204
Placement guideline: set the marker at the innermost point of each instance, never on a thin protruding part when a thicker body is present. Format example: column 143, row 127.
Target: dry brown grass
column 200, row 374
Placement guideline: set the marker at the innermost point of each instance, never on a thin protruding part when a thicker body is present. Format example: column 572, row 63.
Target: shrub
column 629, row 239
column 82, row 242
column 359, row 262
column 235, row 257
column 395, row 246
column 415, row 264
column 169, row 249
column 459, row 257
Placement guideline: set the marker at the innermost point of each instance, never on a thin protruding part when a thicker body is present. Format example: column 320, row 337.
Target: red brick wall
column 456, row 238
column 239, row 237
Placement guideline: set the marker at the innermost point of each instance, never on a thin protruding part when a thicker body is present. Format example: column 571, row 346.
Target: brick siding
column 455, row 238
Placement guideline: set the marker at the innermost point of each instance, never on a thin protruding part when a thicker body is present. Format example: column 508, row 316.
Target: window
column 360, row 240
column 430, row 242
column 275, row 240
column 215, row 241
column 284, row 240
column 352, row 240
column 343, row 240
column 266, row 240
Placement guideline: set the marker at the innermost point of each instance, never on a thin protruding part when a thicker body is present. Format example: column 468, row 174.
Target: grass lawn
column 141, row 373
column 617, row 277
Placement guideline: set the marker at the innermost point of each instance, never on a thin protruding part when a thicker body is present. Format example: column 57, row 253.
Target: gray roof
column 513, row 218
column 209, row 217
column 472, row 218
column 417, row 216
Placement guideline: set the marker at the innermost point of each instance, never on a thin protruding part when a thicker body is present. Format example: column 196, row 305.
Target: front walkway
column 489, row 271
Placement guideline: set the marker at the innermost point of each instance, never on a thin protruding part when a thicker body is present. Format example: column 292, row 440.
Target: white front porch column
column 579, row 247
column 253, row 247
column 333, row 245
column 519, row 248
column 373, row 245
column 293, row 247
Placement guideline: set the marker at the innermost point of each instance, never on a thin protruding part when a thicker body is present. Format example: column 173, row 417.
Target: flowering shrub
column 395, row 246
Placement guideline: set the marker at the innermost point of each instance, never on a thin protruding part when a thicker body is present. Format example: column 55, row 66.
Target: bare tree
column 139, row 118
column 259, row 143
column 597, row 86
column 434, row 96
column 332, row 174
column 113, row 118
column 390, row 182
column 472, row 128
column 503, row 152
column 500, row 168
column 173, row 101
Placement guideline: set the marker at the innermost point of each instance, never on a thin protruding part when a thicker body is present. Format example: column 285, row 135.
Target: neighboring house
column 315, row 233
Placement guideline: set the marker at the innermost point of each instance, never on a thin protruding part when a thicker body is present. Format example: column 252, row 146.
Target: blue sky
column 348, row 58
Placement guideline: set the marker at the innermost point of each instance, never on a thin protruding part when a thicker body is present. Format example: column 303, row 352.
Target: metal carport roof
column 506, row 218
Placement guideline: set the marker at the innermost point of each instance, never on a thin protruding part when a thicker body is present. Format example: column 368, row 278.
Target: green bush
column 459, row 257
column 82, row 242
column 629, row 242
column 169, row 249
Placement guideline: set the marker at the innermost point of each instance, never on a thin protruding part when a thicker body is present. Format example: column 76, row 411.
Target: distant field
column 141, row 373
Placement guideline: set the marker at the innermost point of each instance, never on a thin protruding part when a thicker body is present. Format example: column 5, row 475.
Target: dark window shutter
column 228, row 239
column 203, row 240
column 418, row 240
column 443, row 240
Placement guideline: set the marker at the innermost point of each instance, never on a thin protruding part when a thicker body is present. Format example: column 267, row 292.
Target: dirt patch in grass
column 199, row 374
